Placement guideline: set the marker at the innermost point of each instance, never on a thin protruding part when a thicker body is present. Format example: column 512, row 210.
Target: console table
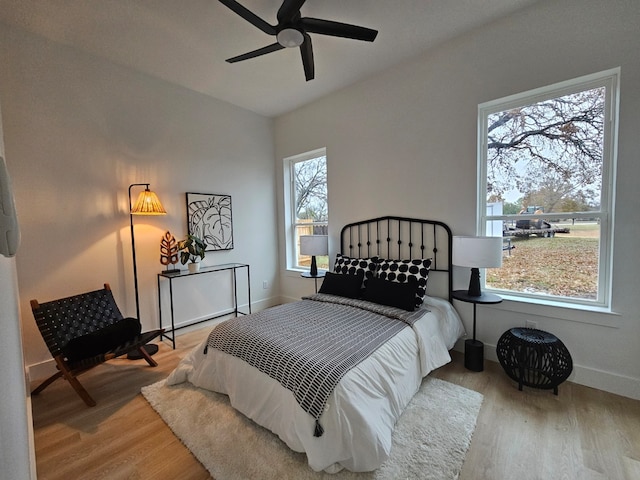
column 182, row 274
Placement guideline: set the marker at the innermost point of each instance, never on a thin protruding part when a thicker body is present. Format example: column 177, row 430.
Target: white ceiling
column 186, row 42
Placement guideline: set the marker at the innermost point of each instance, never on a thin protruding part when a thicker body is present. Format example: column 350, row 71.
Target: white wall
column 78, row 131
column 17, row 453
column 404, row 143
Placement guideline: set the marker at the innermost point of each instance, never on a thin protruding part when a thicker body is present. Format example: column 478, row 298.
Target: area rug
column 430, row 441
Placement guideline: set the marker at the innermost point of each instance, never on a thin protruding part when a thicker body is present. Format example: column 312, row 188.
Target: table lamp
column 476, row 253
column 314, row 245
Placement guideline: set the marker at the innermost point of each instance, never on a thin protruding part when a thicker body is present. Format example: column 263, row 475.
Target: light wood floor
column 581, row 434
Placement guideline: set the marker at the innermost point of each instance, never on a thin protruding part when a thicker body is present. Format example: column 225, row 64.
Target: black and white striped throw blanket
column 308, row 346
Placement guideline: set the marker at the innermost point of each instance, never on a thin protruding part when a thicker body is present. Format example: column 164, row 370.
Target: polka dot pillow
column 351, row 266
column 406, row 271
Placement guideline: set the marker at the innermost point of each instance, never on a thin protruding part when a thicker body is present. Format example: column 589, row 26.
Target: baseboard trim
column 286, row 299
column 589, row 377
column 40, row 371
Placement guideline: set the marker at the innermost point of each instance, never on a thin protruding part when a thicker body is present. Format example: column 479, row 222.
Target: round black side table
column 534, row 358
column 474, row 349
column 315, row 277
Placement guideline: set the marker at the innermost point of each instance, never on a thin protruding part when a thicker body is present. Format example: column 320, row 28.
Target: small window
column 306, row 204
column 546, row 184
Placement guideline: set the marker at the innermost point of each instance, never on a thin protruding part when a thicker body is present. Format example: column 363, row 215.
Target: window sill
column 592, row 315
column 295, row 271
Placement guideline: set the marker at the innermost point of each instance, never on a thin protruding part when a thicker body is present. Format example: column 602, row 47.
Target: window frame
column 610, row 79
column 291, row 244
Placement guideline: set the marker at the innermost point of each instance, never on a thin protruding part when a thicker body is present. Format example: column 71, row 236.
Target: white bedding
column 362, row 410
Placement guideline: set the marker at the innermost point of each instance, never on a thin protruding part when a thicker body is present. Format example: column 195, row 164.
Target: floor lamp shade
column 314, row 245
column 147, row 204
column 476, row 253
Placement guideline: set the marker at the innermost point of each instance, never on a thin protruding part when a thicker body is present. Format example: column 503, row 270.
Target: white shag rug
column 430, row 440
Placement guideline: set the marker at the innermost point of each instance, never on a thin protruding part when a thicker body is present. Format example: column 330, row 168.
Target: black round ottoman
column 534, row 358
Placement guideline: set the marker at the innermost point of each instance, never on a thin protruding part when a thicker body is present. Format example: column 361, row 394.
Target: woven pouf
column 534, row 358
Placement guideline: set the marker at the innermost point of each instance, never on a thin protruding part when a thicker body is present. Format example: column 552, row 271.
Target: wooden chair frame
column 61, row 320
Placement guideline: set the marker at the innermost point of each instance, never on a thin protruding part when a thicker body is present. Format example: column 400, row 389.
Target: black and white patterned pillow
column 406, row 271
column 351, row 266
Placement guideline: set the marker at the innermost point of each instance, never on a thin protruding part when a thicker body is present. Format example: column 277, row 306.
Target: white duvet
column 362, row 411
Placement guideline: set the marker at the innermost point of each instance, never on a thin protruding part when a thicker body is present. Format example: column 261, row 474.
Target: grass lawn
column 565, row 265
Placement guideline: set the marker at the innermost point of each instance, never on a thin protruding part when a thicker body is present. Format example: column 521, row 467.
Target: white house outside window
column 306, row 205
column 546, row 184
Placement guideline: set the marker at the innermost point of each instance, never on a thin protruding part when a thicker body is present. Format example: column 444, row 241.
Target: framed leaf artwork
column 209, row 218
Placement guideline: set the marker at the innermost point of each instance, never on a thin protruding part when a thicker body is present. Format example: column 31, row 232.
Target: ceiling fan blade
column 256, row 53
column 337, row 29
column 306, row 51
column 249, row 16
column 289, row 10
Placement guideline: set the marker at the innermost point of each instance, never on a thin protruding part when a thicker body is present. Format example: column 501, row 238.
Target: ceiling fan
column 293, row 30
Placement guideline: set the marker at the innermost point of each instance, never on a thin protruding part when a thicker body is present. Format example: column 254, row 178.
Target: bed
column 341, row 398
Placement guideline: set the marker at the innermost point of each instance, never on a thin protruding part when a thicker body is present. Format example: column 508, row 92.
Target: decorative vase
column 194, row 267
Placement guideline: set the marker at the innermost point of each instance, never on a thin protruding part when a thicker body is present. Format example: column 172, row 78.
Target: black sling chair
column 85, row 330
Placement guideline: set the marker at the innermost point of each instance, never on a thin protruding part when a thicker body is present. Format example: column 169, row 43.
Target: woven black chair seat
column 534, row 358
column 124, row 349
column 83, row 331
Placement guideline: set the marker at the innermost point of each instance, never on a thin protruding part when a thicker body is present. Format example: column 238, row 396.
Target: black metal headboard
column 401, row 238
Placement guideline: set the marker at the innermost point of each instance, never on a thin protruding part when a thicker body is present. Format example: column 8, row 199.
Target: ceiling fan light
column 290, row 37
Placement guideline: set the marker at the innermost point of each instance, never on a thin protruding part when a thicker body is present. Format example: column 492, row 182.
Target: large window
column 546, row 185
column 305, row 204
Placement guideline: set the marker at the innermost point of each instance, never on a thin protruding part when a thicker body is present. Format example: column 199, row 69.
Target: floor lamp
column 147, row 204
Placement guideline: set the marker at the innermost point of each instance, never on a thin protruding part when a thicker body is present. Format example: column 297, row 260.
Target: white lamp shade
column 477, row 252
column 314, row 245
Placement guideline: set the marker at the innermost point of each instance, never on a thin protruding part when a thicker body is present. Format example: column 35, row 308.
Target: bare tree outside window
column 310, row 178
column 550, row 152
column 308, row 204
column 546, row 160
